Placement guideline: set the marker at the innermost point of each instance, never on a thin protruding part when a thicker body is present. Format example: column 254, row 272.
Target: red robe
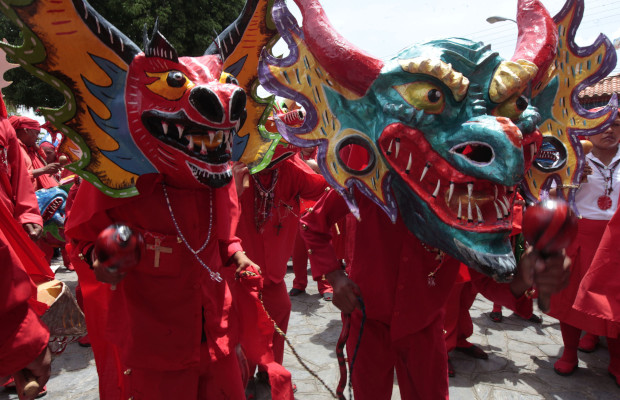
column 404, row 309
column 272, row 245
column 22, row 335
column 598, row 294
column 170, row 329
column 16, row 189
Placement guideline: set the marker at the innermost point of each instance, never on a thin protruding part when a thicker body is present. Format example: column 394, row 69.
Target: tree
column 190, row 26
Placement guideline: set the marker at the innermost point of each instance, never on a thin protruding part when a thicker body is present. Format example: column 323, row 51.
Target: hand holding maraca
column 549, row 227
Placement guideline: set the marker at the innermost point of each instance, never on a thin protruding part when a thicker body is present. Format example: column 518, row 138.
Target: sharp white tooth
column 211, row 136
column 164, row 127
column 501, row 203
column 499, row 213
column 226, row 136
column 479, row 212
column 506, row 202
column 408, row 169
column 470, row 217
column 180, row 128
column 190, row 145
column 470, row 189
column 451, row 191
column 389, row 150
column 495, row 192
column 460, row 207
column 397, row 148
column 203, row 149
column 238, row 126
column 426, row 168
column 436, row 192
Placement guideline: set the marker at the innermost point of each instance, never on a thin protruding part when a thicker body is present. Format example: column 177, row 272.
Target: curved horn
column 538, row 37
column 353, row 68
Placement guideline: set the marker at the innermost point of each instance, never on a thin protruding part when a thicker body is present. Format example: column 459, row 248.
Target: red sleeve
column 311, row 185
column 26, row 208
column 500, row 293
column 22, row 335
column 228, row 212
column 316, row 231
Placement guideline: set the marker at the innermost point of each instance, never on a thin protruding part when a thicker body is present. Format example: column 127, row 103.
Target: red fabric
column 599, row 291
column 272, row 247
column 582, row 253
column 300, row 267
column 158, row 317
column 16, row 189
column 389, row 264
column 420, row 361
column 22, row 335
column 19, row 122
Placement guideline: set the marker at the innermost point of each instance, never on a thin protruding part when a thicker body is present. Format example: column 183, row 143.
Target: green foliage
column 189, row 25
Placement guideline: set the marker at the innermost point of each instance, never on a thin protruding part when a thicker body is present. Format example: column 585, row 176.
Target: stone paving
column 520, row 364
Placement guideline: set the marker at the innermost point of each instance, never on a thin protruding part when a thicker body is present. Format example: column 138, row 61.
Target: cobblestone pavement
column 520, row 364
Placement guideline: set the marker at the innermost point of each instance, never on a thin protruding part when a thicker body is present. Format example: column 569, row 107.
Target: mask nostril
column 207, row 103
column 237, row 104
column 478, row 153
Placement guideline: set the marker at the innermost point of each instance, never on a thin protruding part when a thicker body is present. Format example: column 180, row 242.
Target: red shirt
column 390, row 265
column 16, row 189
column 157, row 315
column 271, row 246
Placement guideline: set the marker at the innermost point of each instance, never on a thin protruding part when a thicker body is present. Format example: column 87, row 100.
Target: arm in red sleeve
column 311, row 185
column 227, row 211
column 316, row 231
column 500, row 293
column 22, row 335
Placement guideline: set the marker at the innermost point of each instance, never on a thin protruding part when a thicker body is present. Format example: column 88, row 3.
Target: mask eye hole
column 423, row 96
column 228, row 78
column 513, row 107
column 175, row 79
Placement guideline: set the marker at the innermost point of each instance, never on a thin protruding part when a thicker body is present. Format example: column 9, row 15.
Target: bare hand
column 241, row 175
column 34, row 231
column 39, row 370
column 346, row 291
column 242, row 262
column 548, row 275
column 587, row 170
column 52, row 168
column 108, row 274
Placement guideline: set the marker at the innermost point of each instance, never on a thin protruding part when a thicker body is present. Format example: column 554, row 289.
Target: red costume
column 268, row 233
column 17, row 192
column 22, row 335
column 394, row 271
column 168, row 326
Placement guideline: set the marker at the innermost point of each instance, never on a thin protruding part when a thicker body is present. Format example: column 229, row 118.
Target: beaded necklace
column 604, row 202
column 263, row 200
column 214, row 275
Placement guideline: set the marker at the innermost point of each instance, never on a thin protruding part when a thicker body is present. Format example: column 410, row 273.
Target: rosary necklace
column 214, row 275
column 604, row 201
column 263, row 200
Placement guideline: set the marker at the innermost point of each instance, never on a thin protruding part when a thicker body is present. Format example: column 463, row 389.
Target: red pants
column 278, row 306
column 458, row 324
column 300, row 268
column 420, row 360
column 214, row 381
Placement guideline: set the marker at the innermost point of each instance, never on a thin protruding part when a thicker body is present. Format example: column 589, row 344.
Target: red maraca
column 549, row 227
column 118, row 247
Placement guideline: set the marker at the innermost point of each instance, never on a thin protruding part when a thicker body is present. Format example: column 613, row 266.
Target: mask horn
column 538, row 37
column 351, row 67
